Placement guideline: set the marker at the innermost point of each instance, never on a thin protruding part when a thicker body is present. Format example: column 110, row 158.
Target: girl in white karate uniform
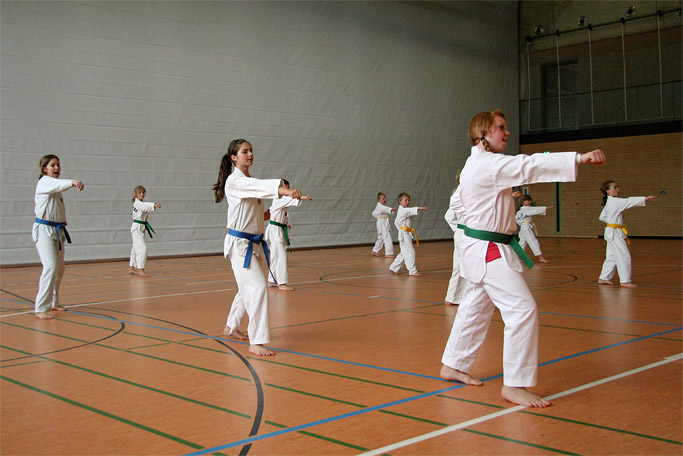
column 277, row 236
column 382, row 213
column 141, row 210
column 492, row 268
column 404, row 224
column 245, row 240
column 527, row 230
column 49, row 233
column 617, row 256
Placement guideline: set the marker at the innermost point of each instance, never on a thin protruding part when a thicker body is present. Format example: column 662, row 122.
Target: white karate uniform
column 617, row 256
column 525, row 220
column 382, row 213
column 138, row 252
column 456, row 284
column 245, row 213
column 50, row 206
column 405, row 240
column 485, row 196
column 275, row 236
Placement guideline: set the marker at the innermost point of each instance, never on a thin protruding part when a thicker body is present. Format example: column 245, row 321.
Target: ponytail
column 226, row 169
column 605, row 186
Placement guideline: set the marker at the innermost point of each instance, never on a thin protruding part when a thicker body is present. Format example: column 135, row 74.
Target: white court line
column 517, row 408
column 179, row 294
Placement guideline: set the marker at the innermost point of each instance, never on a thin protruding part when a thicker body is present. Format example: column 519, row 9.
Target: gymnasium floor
column 138, row 366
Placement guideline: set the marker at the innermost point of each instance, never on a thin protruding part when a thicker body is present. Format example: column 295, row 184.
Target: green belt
column 462, row 227
column 500, row 238
column 284, row 228
column 150, row 230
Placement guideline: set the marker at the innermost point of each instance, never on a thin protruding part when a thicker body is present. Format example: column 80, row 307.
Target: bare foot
column 448, row 303
column 454, row 375
column 60, row 309
column 543, row 260
column 628, row 285
column 391, row 255
column 605, row 282
column 132, row 271
column 395, row 272
column 237, row 334
column 44, row 316
column 260, row 350
column 417, row 274
column 142, row 273
column 285, row 287
column 521, row 396
column 272, row 284
column 374, row 254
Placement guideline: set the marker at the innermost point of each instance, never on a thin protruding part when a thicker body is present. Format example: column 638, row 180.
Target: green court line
column 106, row 414
column 520, row 442
column 354, row 316
column 308, row 369
column 177, row 363
column 583, row 423
column 137, row 385
column 541, row 325
column 327, row 398
column 607, row 428
column 23, row 364
column 318, row 436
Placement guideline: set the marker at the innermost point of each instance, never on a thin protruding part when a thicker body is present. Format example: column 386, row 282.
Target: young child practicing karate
column 617, row 256
column 277, row 235
column 527, row 229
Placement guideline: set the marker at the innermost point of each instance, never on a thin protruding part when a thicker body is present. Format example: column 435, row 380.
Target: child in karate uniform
column 404, row 224
column 141, row 210
column 245, row 240
column 382, row 213
column 278, row 239
column 490, row 264
column 49, row 233
column 617, row 256
column 527, row 229
column 456, row 284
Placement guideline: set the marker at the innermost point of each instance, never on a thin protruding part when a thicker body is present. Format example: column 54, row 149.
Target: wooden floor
column 137, row 366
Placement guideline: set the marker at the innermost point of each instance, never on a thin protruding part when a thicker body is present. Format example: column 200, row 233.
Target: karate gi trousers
column 505, row 289
column 52, row 259
column 251, row 298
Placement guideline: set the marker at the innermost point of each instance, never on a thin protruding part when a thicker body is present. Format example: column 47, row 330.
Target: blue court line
column 206, row 336
column 401, row 401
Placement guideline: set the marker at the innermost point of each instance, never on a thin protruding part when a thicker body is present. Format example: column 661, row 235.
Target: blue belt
column 59, row 226
column 255, row 239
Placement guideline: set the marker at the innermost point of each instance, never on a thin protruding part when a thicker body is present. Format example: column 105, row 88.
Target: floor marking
column 517, row 408
column 421, row 396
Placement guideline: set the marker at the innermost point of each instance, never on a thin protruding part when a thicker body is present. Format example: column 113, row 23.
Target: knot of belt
column 412, row 230
column 254, row 239
column 284, row 228
column 150, row 230
column 501, row 238
column 59, row 226
column 622, row 228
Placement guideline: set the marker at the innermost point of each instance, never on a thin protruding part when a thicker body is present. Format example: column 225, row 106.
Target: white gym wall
column 344, row 99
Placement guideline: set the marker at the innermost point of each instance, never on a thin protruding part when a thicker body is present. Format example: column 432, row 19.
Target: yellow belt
column 533, row 226
column 622, row 228
column 412, row 230
column 383, row 218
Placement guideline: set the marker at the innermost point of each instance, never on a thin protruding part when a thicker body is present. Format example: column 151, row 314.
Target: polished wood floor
column 138, row 366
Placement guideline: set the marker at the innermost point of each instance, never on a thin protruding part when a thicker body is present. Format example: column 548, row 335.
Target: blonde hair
column 380, row 194
column 480, row 125
column 137, row 189
column 403, row 195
